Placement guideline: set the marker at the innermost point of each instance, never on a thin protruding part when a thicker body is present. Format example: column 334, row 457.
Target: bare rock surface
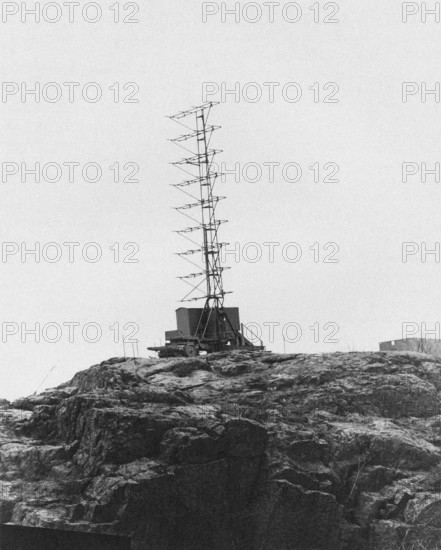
column 241, row 450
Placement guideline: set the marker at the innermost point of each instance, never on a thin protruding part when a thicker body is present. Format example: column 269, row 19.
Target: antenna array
column 206, row 283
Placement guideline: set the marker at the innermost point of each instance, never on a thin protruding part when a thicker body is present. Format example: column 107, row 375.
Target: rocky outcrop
column 242, row 450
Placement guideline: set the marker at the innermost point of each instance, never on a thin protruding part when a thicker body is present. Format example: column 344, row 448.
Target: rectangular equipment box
column 173, row 334
column 187, row 320
column 16, row 537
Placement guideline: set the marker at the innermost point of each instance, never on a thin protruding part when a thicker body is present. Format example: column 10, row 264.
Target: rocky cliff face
column 245, row 451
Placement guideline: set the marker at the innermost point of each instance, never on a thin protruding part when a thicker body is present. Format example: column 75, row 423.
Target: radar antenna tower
column 202, row 173
column 213, row 327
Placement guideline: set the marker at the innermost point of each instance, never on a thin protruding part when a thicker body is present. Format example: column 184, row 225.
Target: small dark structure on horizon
column 423, row 345
column 213, row 327
column 16, row 537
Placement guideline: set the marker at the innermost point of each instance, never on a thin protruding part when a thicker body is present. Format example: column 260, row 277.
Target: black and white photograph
column 220, row 270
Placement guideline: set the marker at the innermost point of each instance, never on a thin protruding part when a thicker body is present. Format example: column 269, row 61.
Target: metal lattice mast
column 199, row 166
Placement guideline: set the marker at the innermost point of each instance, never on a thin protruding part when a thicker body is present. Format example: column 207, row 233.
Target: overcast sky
column 361, row 219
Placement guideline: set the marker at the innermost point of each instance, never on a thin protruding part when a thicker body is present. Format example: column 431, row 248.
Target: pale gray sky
column 170, row 53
